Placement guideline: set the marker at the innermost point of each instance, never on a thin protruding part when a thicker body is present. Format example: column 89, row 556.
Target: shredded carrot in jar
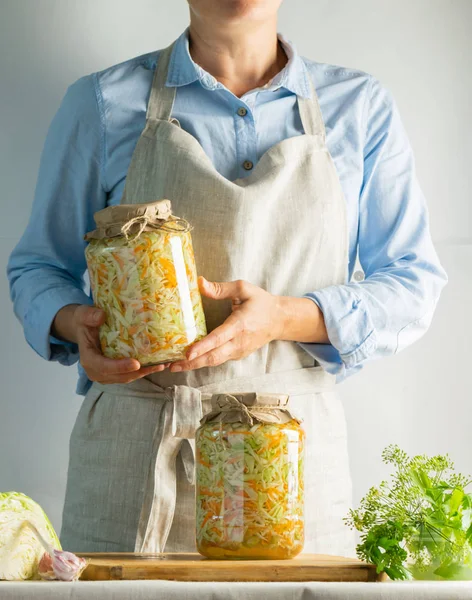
column 152, row 302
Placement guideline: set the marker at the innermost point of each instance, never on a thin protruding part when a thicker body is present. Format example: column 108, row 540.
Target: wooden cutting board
column 193, row 567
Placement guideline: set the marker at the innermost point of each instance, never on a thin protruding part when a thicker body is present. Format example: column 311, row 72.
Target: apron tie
column 175, row 432
column 186, row 405
column 187, row 410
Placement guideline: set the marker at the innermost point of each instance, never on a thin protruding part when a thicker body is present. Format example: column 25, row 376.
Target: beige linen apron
column 130, row 481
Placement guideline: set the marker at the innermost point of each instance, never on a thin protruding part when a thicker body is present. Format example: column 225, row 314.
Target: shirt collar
column 183, row 70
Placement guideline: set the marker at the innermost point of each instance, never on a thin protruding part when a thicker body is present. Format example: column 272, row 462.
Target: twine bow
column 227, row 403
column 148, row 222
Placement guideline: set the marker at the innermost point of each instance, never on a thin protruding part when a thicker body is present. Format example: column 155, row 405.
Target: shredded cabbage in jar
column 147, row 285
column 250, row 490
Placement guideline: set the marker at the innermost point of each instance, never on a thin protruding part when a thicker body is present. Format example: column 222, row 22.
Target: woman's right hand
column 80, row 324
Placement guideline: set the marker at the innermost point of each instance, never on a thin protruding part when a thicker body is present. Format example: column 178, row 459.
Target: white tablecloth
column 172, row 590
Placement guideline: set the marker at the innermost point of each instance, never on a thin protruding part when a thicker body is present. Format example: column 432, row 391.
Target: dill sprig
column 419, row 523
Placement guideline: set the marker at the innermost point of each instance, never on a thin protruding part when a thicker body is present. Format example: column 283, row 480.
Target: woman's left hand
column 255, row 321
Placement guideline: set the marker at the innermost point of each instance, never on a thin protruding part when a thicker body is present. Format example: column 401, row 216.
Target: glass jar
column 249, row 479
column 143, row 275
column 436, row 556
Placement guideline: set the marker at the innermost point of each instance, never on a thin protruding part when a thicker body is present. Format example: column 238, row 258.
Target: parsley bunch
column 419, row 524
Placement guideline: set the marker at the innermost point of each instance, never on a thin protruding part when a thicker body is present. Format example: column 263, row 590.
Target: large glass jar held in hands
column 143, row 275
column 249, row 474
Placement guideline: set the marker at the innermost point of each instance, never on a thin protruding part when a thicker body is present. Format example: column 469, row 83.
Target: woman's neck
column 240, row 57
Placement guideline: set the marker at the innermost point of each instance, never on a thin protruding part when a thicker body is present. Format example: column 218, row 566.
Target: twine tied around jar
column 133, row 219
column 147, row 224
column 249, row 408
column 228, row 403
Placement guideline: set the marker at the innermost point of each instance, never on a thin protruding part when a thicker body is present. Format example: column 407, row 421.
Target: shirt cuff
column 349, row 326
column 330, row 360
column 38, row 321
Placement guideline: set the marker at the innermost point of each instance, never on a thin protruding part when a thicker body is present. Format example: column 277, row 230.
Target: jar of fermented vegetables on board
column 143, row 275
column 249, row 478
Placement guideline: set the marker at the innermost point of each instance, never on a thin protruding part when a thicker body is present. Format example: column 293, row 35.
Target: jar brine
column 143, row 275
column 250, row 479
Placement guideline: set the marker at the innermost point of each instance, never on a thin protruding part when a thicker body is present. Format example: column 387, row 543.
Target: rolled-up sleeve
column 394, row 305
column 46, row 269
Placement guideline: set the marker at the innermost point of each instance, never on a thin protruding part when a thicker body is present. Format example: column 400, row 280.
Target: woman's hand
column 252, row 324
column 79, row 324
column 257, row 319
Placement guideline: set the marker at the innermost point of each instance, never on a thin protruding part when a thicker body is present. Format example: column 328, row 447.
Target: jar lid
column 133, row 219
column 249, row 408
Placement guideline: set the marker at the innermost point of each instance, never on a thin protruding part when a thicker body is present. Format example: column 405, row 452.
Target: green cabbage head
column 20, row 550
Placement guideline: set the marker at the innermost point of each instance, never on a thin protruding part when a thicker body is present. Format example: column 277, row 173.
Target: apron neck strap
column 161, row 100
column 310, row 114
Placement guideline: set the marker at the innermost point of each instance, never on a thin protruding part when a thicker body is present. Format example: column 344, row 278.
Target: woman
column 287, row 169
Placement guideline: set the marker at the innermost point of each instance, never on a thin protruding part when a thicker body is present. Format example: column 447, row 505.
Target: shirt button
column 358, row 276
column 247, row 164
column 242, row 112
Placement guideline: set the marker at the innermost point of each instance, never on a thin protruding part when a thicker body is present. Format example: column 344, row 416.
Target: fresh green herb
column 419, row 524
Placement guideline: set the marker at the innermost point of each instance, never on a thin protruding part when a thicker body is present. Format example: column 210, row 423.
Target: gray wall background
column 420, row 49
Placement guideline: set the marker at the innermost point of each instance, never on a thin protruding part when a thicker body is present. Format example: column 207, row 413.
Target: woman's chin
column 236, row 10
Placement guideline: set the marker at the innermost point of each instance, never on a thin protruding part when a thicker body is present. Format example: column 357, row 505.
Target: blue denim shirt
column 88, row 150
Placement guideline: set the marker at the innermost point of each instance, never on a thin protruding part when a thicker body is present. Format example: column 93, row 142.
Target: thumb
column 234, row 290
column 90, row 316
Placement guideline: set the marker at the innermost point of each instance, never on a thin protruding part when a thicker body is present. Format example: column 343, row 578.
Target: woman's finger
column 219, row 336
column 215, row 357
column 128, row 377
column 93, row 361
column 89, row 316
column 152, row 369
column 234, row 290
